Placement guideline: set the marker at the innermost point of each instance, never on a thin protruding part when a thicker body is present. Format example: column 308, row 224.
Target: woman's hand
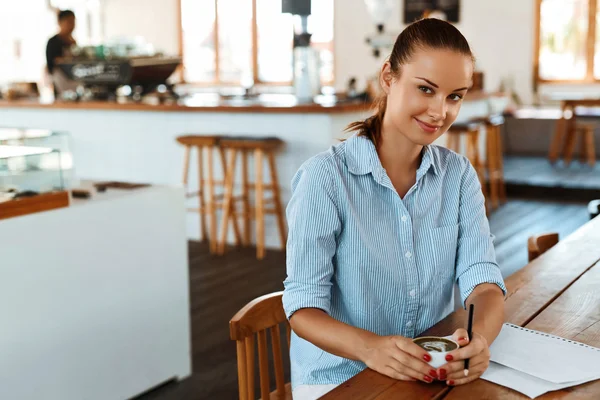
column 478, row 353
column 399, row 358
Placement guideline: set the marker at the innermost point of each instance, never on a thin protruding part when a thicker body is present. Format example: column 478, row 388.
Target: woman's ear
column 386, row 77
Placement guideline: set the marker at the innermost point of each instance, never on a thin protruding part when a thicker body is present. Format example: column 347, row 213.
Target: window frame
column 254, row 56
column 590, row 48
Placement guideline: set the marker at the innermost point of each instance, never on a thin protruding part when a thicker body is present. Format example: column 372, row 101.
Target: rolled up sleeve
column 476, row 258
column 314, row 225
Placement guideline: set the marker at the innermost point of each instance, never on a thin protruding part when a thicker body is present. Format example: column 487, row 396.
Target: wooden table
column 556, row 293
column 564, row 138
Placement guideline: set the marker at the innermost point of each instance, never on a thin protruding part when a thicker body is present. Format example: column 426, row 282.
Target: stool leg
column 212, row 240
column 277, row 200
column 203, row 210
column 500, row 166
column 492, row 165
column 557, row 139
column 246, row 198
column 582, row 137
column 473, row 156
column 570, row 141
column 591, row 149
column 259, row 205
column 232, row 212
column 227, row 200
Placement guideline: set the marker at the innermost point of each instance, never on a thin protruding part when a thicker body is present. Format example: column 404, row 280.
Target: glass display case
column 60, row 141
column 27, row 171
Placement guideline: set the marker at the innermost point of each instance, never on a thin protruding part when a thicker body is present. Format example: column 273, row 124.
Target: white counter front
column 94, row 298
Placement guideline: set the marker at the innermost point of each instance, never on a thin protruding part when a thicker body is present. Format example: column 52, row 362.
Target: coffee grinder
column 306, row 59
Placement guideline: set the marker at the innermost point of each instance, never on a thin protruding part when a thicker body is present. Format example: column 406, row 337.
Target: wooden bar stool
column 260, row 148
column 208, row 205
column 584, row 132
column 470, row 132
column 494, row 164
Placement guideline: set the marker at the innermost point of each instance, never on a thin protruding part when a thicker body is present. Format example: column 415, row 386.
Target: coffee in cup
column 437, row 347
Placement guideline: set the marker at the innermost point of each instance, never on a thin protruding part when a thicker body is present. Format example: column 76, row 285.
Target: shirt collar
column 362, row 158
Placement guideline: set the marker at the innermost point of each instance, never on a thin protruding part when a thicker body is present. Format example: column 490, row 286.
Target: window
column 566, row 42
column 235, row 41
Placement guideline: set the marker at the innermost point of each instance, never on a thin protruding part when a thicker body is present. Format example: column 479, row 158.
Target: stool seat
column 464, row 127
column 265, row 143
column 493, row 120
column 198, row 140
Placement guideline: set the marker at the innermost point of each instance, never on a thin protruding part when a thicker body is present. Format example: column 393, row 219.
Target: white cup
column 437, row 347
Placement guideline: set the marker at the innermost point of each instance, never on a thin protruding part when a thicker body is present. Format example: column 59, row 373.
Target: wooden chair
column 259, row 148
column 208, row 205
column 258, row 316
column 539, row 244
column 470, row 132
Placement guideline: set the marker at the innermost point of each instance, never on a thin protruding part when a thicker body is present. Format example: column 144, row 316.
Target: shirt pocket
column 443, row 242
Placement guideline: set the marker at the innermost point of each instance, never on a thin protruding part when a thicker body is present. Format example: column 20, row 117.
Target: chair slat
column 288, row 329
column 263, row 360
column 242, row 372
column 250, row 366
column 277, row 359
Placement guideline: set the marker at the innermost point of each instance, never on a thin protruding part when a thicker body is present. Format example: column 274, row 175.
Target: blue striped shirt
column 375, row 261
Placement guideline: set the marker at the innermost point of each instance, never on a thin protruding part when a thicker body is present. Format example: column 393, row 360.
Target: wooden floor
column 219, row 286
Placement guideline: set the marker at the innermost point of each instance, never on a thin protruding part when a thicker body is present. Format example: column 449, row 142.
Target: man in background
column 59, row 46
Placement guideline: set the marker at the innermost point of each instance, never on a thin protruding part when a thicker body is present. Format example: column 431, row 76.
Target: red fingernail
column 443, row 374
column 449, row 357
column 463, row 338
column 427, row 357
column 428, row 379
column 450, row 383
column 433, row 373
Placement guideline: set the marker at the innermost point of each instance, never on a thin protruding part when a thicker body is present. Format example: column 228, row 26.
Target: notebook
column 534, row 362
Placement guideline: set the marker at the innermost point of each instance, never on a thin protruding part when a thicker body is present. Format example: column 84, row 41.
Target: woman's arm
column 488, row 316
column 331, row 335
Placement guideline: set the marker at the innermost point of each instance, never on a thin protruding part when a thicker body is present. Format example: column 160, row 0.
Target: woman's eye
column 425, row 89
column 456, row 97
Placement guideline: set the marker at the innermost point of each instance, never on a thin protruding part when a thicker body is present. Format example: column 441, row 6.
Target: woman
column 383, row 224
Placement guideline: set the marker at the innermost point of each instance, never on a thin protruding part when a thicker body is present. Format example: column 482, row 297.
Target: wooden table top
column 541, row 296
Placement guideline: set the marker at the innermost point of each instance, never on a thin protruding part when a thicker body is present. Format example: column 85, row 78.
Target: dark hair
column 64, row 14
column 426, row 33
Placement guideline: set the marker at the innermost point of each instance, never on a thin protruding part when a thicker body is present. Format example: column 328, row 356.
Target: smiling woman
column 384, row 224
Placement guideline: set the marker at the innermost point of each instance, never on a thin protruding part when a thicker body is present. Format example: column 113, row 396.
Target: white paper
column 527, row 384
column 534, row 362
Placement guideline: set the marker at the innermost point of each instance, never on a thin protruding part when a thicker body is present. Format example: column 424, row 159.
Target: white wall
column 500, row 34
column 155, row 20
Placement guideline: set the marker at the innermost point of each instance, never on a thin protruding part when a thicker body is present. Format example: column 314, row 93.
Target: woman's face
column 425, row 99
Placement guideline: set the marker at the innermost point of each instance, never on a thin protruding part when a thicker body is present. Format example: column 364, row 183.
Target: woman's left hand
column 478, row 353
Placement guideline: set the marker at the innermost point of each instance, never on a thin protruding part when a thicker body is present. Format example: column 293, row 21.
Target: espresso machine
column 306, row 59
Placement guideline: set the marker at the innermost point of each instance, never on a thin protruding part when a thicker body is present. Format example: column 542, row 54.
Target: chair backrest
column 539, row 244
column 261, row 314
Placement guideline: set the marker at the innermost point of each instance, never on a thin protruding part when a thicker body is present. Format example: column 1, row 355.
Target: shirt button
column 412, row 293
column 408, row 254
column 404, row 218
column 409, row 323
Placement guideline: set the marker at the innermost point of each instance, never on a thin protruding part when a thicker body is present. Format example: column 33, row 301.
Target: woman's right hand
column 399, row 358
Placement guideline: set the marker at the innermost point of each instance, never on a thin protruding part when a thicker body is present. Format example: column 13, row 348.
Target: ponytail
column 371, row 127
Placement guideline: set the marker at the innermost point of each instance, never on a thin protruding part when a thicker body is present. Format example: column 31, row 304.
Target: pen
column 469, row 334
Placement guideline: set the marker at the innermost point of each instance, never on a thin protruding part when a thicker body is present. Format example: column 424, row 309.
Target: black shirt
column 56, row 48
